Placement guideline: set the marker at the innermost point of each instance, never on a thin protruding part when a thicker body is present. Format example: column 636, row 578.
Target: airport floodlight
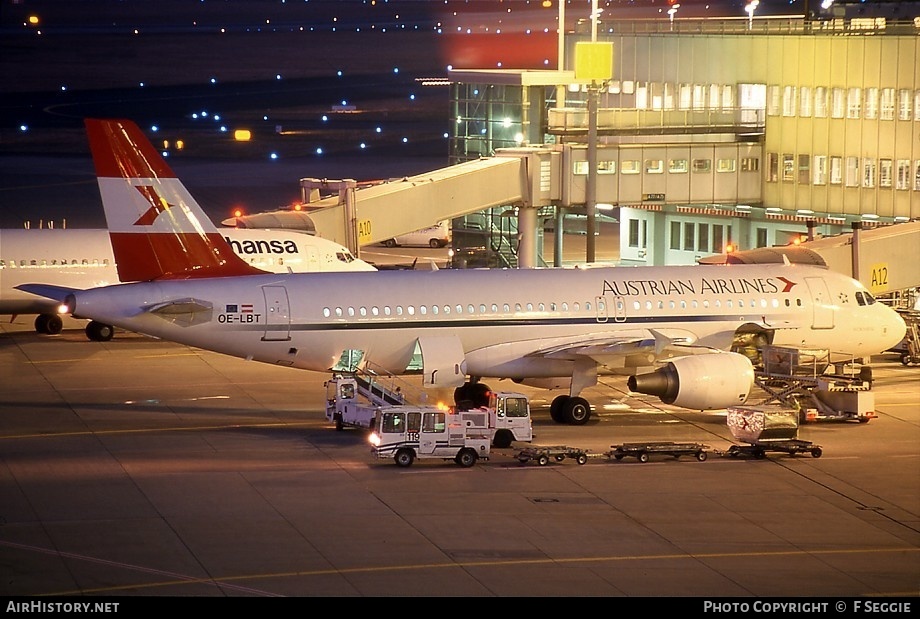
column 749, row 9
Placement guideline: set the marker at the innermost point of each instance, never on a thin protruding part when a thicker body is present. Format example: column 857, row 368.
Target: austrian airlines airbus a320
column 670, row 329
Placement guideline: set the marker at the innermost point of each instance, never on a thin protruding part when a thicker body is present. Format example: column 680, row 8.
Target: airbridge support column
column 527, row 234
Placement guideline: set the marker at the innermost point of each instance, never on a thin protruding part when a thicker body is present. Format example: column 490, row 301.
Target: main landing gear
column 574, row 411
column 49, row 324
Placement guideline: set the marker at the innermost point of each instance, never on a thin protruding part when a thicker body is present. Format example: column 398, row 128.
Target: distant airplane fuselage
column 83, row 258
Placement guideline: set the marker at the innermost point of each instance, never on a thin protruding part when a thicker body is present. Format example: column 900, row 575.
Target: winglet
column 158, row 230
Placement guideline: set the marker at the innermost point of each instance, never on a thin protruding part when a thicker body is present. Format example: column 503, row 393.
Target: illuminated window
column 902, row 181
column 868, row 172
column 885, row 172
column 805, row 102
column 606, row 167
column 702, row 165
column 854, row 102
column 820, row 177
column 836, row 170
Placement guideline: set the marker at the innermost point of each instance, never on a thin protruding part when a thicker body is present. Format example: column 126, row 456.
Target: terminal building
column 711, row 133
column 693, row 136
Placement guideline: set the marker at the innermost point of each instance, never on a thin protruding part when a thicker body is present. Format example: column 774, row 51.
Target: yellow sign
column 364, row 231
column 878, row 280
column 593, row 61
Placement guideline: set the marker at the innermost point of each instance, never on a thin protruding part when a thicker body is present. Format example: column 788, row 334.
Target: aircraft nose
column 895, row 328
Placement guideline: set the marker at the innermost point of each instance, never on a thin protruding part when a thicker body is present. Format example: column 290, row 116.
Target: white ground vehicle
column 405, row 433
column 508, row 417
column 354, row 401
column 432, row 236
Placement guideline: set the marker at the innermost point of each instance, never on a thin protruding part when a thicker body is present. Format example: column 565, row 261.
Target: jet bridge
column 356, row 216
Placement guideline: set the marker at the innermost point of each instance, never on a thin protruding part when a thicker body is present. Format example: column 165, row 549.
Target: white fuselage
column 83, row 259
column 501, row 323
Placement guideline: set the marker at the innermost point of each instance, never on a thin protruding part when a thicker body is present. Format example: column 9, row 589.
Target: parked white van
column 433, row 236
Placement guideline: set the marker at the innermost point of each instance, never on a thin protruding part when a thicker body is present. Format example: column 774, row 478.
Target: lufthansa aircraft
column 84, row 259
column 670, row 329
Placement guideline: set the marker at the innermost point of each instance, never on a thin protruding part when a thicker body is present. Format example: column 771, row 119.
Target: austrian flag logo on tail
column 158, row 204
column 789, row 284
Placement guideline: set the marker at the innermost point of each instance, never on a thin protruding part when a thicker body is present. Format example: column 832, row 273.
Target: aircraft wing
column 626, row 350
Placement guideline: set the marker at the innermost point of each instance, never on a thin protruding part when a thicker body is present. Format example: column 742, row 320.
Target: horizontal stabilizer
column 56, row 293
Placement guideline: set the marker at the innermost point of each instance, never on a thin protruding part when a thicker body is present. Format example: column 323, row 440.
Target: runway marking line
column 227, row 580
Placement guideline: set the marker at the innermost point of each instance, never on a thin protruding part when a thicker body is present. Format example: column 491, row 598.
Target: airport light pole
column 749, row 9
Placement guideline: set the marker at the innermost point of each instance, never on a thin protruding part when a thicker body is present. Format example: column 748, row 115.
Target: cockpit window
column 869, row 298
column 864, row 298
column 345, row 257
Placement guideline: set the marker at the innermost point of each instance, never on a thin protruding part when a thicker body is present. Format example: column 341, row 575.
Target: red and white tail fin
column 157, row 228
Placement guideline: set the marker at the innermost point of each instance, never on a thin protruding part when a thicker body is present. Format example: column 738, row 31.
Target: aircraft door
column 277, row 314
column 823, row 313
column 443, row 361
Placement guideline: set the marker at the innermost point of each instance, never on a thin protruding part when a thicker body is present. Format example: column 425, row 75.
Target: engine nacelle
column 699, row 382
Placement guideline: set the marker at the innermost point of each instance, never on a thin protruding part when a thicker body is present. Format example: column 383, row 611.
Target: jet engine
column 699, row 382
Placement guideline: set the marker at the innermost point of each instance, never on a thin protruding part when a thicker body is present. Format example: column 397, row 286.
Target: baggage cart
column 541, row 455
column 642, row 451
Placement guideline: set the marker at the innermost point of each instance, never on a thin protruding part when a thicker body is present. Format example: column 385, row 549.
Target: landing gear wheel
column 404, row 457
column 905, row 358
column 543, row 460
column 99, row 332
column 49, row 324
column 643, row 457
column 577, row 411
column 54, row 325
column 466, row 458
column 555, row 409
